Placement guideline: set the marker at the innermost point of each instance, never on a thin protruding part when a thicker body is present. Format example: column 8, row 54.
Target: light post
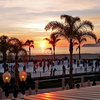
column 23, row 77
column 6, row 79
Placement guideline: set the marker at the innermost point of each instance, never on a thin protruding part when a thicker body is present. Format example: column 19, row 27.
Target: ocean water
column 64, row 50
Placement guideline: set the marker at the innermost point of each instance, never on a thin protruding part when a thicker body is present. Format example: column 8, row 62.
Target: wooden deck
column 87, row 93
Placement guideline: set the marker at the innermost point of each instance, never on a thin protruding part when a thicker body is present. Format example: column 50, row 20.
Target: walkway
column 87, row 93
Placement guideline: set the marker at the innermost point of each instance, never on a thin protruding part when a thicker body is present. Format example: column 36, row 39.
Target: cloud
column 51, row 5
column 23, row 16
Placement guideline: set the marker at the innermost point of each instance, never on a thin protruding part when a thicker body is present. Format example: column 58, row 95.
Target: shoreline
column 61, row 56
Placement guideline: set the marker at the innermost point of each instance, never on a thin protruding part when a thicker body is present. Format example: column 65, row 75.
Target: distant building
column 91, row 45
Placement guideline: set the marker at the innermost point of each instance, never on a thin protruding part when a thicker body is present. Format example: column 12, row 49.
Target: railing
column 60, row 72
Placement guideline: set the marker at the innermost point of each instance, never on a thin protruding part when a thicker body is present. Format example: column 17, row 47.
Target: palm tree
column 98, row 40
column 70, row 29
column 50, row 49
column 16, row 49
column 29, row 43
column 82, row 37
column 53, row 40
column 9, row 57
column 4, row 47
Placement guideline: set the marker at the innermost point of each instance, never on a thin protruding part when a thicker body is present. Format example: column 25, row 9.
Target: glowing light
column 6, row 78
column 22, row 76
column 42, row 45
column 47, row 96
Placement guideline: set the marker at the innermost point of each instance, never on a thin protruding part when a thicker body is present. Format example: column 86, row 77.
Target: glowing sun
column 42, row 45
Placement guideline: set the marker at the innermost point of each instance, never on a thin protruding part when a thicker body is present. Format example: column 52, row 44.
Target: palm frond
column 83, row 40
column 3, row 37
column 85, row 24
column 15, row 41
column 61, row 34
column 75, row 43
column 98, row 41
column 23, row 54
column 90, row 34
column 68, row 19
column 76, row 19
column 23, row 51
column 54, row 25
column 47, row 39
column 32, row 45
column 28, row 42
column 52, row 42
column 57, row 40
column 77, row 48
column 49, row 49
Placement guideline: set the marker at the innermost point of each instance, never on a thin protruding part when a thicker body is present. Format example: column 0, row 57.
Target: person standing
column 51, row 72
column 44, row 64
column 54, row 71
column 64, row 70
column 48, row 64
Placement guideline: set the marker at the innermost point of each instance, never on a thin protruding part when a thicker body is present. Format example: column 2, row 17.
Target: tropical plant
column 53, row 40
column 50, row 49
column 16, row 49
column 4, row 47
column 30, row 44
column 9, row 58
column 70, row 29
column 82, row 37
column 98, row 40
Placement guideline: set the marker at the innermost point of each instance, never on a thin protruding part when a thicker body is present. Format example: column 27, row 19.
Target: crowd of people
column 48, row 65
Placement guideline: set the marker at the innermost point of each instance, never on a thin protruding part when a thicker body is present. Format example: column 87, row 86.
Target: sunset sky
column 26, row 19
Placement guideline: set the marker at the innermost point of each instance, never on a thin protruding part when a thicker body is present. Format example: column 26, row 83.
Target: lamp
column 6, row 79
column 23, row 77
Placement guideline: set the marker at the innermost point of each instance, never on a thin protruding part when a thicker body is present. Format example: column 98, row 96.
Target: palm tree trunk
column 54, row 51
column 29, row 52
column 71, row 64
column 16, row 69
column 79, row 52
column 4, row 61
column 51, row 51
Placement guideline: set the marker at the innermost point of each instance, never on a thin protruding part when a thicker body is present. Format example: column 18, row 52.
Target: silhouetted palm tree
column 29, row 43
column 4, row 47
column 82, row 37
column 98, row 41
column 16, row 49
column 10, row 57
column 53, row 40
column 49, row 49
column 70, row 30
